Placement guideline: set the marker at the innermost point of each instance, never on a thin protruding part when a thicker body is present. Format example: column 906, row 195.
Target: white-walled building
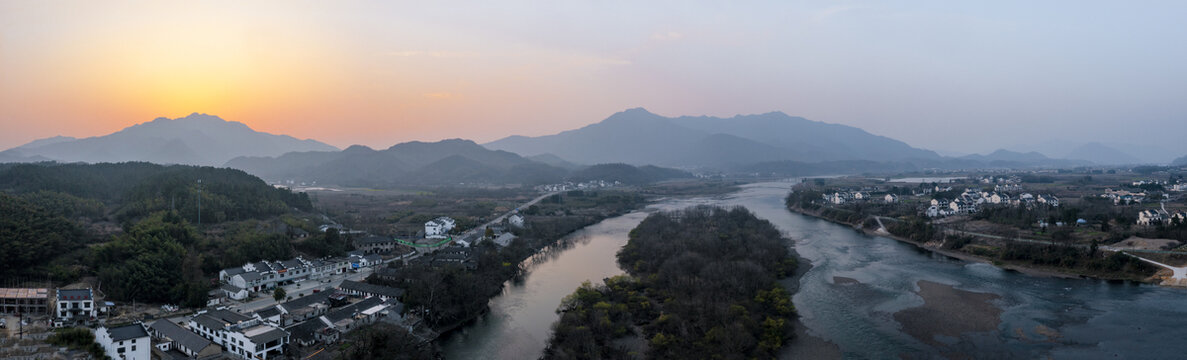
column 76, row 303
column 129, row 342
column 439, row 226
column 242, row 335
column 516, row 220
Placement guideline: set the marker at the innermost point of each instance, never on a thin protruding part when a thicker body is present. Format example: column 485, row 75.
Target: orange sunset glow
column 379, row 73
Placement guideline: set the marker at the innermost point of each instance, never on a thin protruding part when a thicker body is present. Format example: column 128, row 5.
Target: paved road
column 1178, row 273
column 499, row 219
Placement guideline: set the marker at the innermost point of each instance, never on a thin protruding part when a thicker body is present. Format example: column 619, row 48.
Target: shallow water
column 1094, row 319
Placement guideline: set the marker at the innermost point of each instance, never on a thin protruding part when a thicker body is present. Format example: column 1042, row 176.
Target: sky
column 953, row 76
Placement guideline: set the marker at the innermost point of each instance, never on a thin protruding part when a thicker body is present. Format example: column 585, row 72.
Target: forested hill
column 57, row 222
column 133, row 190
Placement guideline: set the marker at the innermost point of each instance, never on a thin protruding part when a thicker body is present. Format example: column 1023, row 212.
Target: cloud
column 438, row 95
column 667, row 36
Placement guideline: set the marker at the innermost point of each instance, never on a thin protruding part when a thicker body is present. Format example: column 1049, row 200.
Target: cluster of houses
column 319, row 318
column 1178, row 185
column 841, row 197
column 1161, row 216
column 585, row 185
column 1124, row 197
column 241, row 281
column 972, row 199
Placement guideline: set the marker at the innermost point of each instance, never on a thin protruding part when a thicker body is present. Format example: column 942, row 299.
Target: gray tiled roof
column 74, row 294
column 291, row 264
column 251, row 276
column 269, row 312
column 126, row 332
column 371, row 289
column 349, row 310
column 181, row 336
column 268, row 336
column 318, row 298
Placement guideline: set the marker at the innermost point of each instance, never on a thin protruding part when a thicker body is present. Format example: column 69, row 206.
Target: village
column 933, row 201
column 1108, row 223
column 262, row 310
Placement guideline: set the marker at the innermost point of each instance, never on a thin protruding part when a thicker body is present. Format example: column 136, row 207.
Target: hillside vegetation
column 150, row 249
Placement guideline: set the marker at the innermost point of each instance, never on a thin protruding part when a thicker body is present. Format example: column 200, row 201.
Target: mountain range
column 639, row 137
column 197, row 139
column 454, row 161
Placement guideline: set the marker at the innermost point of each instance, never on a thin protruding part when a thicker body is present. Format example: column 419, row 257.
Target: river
column 1039, row 316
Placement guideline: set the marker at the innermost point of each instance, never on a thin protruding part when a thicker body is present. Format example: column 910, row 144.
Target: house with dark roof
column 362, row 289
column 170, row 336
column 76, row 303
column 304, row 308
column 128, row 342
column 244, row 336
column 376, row 244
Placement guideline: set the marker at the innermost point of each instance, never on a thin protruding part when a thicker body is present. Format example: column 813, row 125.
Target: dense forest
column 134, row 190
column 30, row 234
column 701, row 283
column 150, row 248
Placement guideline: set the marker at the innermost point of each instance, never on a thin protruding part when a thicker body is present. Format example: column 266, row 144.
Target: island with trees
column 699, row 283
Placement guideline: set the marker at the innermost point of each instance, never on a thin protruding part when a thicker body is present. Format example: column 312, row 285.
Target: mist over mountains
column 197, row 139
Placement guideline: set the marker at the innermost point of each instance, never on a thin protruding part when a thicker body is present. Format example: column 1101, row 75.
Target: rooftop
column 182, row 336
column 74, row 294
column 264, row 334
column 11, row 293
column 127, row 332
column 373, row 289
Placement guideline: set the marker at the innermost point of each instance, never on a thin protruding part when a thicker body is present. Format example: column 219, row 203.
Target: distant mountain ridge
column 639, row 137
column 446, row 162
column 197, row 139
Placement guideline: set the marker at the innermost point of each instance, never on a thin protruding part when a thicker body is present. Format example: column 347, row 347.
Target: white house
column 516, row 220
column 963, row 206
column 76, row 303
column 129, row 342
column 1150, row 217
column 1048, row 199
column 439, row 226
column 242, row 335
column 999, row 198
column 890, row 198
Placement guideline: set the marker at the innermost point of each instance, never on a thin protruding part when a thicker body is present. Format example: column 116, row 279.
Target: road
column 1178, row 273
column 499, row 219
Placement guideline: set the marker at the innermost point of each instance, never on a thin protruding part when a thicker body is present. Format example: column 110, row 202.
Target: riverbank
column 1010, row 266
column 804, row 345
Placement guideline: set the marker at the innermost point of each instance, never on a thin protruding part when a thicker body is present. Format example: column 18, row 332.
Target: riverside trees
column 701, row 284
